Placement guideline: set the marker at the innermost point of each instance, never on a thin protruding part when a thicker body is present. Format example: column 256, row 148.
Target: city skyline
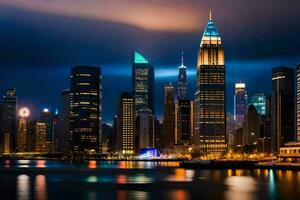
column 164, row 58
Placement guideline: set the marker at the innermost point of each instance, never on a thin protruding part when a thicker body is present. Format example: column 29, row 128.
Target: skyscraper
column 126, row 126
column 184, row 113
column 169, row 116
column 142, row 82
column 63, row 122
column 259, row 101
column 298, row 103
column 47, row 117
column 240, row 103
column 85, row 110
column 282, row 107
column 252, row 126
column 22, row 129
column 41, row 140
column 145, row 128
column 210, row 105
column 9, row 121
column 182, row 84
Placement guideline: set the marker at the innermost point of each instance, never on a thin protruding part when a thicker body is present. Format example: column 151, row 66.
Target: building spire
column 209, row 14
column 182, row 58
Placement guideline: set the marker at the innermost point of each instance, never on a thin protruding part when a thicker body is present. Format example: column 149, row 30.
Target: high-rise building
column 126, row 126
column 8, row 134
column 182, row 84
column 252, row 126
column 31, row 135
column 41, row 139
column 240, row 103
column 282, row 107
column 22, row 129
column 210, row 104
column 63, row 122
column 259, row 101
column 298, row 103
column 85, row 110
column 142, row 82
column 145, row 128
column 47, row 117
column 169, row 116
column 184, row 122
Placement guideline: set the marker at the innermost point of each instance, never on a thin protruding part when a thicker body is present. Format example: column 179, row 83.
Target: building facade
column 85, row 110
column 282, row 107
column 259, row 101
column 184, row 122
column 210, row 104
column 41, row 139
column 169, row 116
column 8, row 134
column 240, row 103
column 298, row 103
column 63, row 122
column 145, row 128
column 126, row 137
column 142, row 82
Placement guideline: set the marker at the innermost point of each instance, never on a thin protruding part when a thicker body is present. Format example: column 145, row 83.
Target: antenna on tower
column 209, row 14
column 182, row 58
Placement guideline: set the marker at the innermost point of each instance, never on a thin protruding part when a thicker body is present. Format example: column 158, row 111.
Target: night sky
column 40, row 41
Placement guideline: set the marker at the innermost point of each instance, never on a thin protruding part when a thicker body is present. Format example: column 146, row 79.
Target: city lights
column 24, row 112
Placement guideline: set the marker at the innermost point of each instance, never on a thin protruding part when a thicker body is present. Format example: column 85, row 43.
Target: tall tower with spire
column 210, row 104
column 182, row 81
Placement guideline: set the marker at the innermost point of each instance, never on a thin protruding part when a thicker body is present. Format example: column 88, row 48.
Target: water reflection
column 41, row 187
column 92, row 164
column 240, row 187
column 181, row 175
column 23, row 187
column 41, row 163
column 133, row 179
column 131, row 194
column 178, row 194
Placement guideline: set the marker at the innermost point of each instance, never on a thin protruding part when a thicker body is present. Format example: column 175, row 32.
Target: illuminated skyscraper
column 210, row 105
column 125, row 125
column 41, row 140
column 85, row 110
column 282, row 107
column 47, row 117
column 182, row 84
column 298, row 103
column 8, row 131
column 22, row 129
column 240, row 103
column 142, row 82
column 169, row 116
column 259, row 101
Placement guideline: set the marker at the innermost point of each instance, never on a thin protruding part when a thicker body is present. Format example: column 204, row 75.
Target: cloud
column 151, row 15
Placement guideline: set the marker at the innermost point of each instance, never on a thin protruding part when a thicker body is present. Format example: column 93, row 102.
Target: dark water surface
column 42, row 180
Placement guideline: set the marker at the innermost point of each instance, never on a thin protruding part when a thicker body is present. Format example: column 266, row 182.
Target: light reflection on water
column 23, row 187
column 159, row 183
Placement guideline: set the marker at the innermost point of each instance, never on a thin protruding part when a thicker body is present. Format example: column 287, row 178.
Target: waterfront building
column 240, row 103
column 184, row 122
column 47, row 117
column 210, row 104
column 8, row 131
column 22, row 129
column 282, row 107
column 182, row 83
column 169, row 116
column 145, row 128
column 289, row 153
column 142, row 82
column 31, row 135
column 126, row 138
column 63, row 122
column 158, row 134
column 298, row 103
column 259, row 101
column 41, row 137
column 85, row 110
column 251, row 127
column 230, row 129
